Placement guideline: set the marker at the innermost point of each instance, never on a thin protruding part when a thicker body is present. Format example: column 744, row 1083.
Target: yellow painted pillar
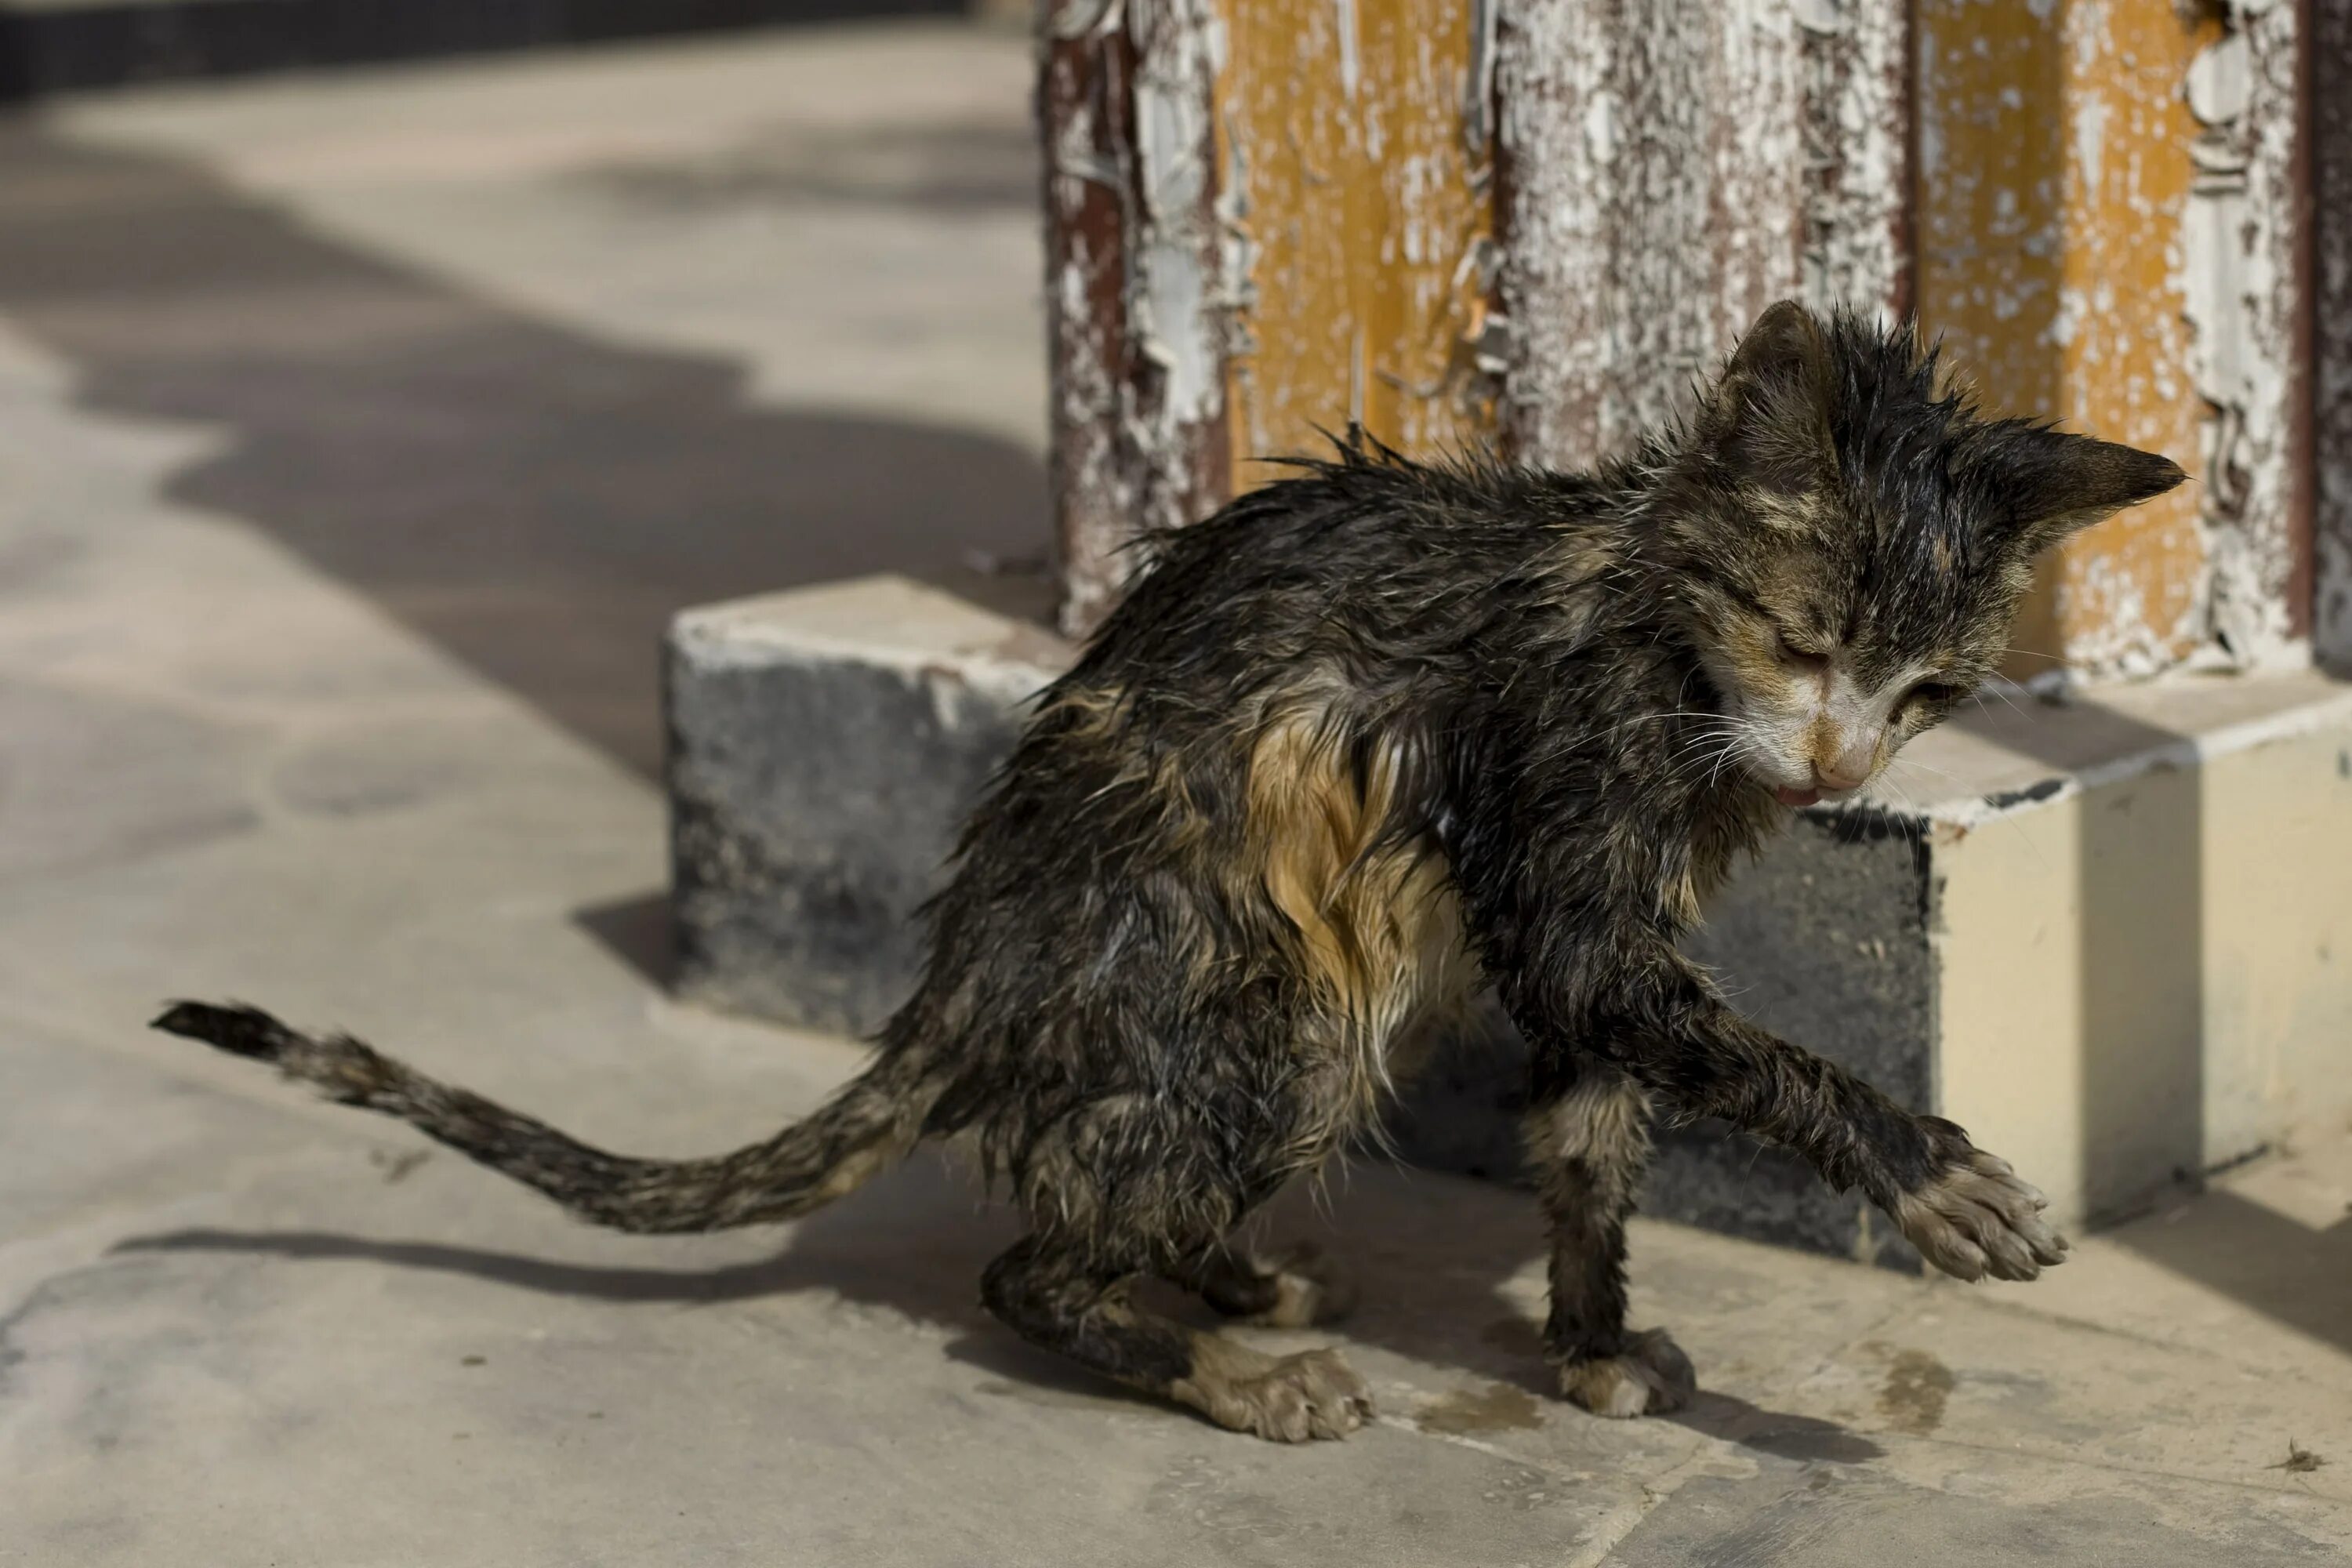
column 1359, row 197
column 2101, row 240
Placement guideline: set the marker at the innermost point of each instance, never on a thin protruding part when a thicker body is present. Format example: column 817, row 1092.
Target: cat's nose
column 1849, row 769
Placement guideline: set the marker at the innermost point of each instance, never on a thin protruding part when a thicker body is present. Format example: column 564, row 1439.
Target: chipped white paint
column 1351, row 70
column 1173, row 303
column 2331, row 50
column 1611, row 254
column 1856, row 135
column 2239, row 283
column 1666, row 169
column 2117, row 635
column 1139, row 251
column 1166, row 311
column 1673, row 167
column 1094, row 489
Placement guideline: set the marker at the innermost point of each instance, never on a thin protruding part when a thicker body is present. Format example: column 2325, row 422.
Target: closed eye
column 1933, row 694
column 1793, row 656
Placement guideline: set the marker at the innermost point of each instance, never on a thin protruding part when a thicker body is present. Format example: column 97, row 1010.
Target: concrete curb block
column 824, row 748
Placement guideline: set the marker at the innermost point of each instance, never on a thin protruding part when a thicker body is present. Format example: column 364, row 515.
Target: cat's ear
column 1771, row 408
column 2047, row 485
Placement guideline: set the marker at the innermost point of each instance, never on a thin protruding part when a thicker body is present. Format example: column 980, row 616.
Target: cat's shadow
column 1432, row 1256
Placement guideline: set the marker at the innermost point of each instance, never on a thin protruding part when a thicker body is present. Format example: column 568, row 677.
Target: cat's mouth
column 1788, row 796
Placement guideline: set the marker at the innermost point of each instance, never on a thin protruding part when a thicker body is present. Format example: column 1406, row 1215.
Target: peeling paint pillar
column 1523, row 222
column 1534, row 222
column 2327, row 78
column 2111, row 207
column 1139, row 300
column 1671, row 167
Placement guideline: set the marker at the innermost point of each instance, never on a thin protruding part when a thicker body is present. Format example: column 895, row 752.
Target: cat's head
column 1847, row 542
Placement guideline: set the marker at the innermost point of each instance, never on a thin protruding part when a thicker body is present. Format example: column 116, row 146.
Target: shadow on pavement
column 1431, row 1256
column 534, row 502
column 2258, row 1258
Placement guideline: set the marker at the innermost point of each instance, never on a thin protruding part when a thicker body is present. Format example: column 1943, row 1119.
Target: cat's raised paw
column 1980, row 1217
column 1651, row 1377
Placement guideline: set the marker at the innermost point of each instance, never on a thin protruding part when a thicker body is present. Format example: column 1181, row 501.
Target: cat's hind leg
column 1294, row 1287
column 1589, row 1141
column 1060, row 1298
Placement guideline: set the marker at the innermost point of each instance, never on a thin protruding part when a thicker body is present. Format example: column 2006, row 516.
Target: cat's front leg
column 1966, row 1210
column 1587, row 1141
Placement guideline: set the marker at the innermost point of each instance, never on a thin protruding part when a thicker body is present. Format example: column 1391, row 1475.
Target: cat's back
column 1343, row 562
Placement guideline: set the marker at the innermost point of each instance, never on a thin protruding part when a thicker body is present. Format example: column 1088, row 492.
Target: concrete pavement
column 355, row 439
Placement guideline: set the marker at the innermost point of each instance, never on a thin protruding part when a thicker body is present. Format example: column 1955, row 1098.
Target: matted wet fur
column 1373, row 737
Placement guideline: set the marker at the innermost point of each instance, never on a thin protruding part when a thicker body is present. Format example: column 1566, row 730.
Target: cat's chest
column 1725, row 829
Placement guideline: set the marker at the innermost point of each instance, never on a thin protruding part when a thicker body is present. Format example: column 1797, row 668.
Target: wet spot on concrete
column 1912, row 1399
column 1495, row 1408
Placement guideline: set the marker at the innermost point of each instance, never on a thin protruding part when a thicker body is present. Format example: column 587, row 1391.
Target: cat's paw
column 1978, row 1218
column 1650, row 1377
column 1315, row 1394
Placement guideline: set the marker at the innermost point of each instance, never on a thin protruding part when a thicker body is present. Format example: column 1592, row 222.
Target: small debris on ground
column 396, row 1164
column 2299, row 1460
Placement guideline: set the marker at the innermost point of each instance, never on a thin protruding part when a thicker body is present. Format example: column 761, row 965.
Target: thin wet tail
column 869, row 1125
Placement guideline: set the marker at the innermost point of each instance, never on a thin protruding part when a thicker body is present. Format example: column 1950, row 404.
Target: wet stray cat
column 1369, row 739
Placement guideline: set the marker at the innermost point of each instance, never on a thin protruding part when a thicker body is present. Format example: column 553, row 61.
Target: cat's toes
column 1651, row 1377
column 1315, row 1394
column 1980, row 1217
column 1310, row 1289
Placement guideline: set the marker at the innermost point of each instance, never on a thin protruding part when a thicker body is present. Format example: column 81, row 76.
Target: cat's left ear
column 2047, row 485
column 1770, row 423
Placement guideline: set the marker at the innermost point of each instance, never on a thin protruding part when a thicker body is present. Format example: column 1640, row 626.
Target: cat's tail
column 867, row 1126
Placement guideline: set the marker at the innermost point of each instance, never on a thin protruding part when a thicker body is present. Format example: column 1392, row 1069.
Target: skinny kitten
column 1367, row 740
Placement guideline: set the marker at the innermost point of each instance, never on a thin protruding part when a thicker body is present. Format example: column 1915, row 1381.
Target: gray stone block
column 823, row 747
column 825, row 744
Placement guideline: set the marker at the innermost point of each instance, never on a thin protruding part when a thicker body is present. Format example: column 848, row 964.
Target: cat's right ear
column 2047, row 485
column 1771, row 422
